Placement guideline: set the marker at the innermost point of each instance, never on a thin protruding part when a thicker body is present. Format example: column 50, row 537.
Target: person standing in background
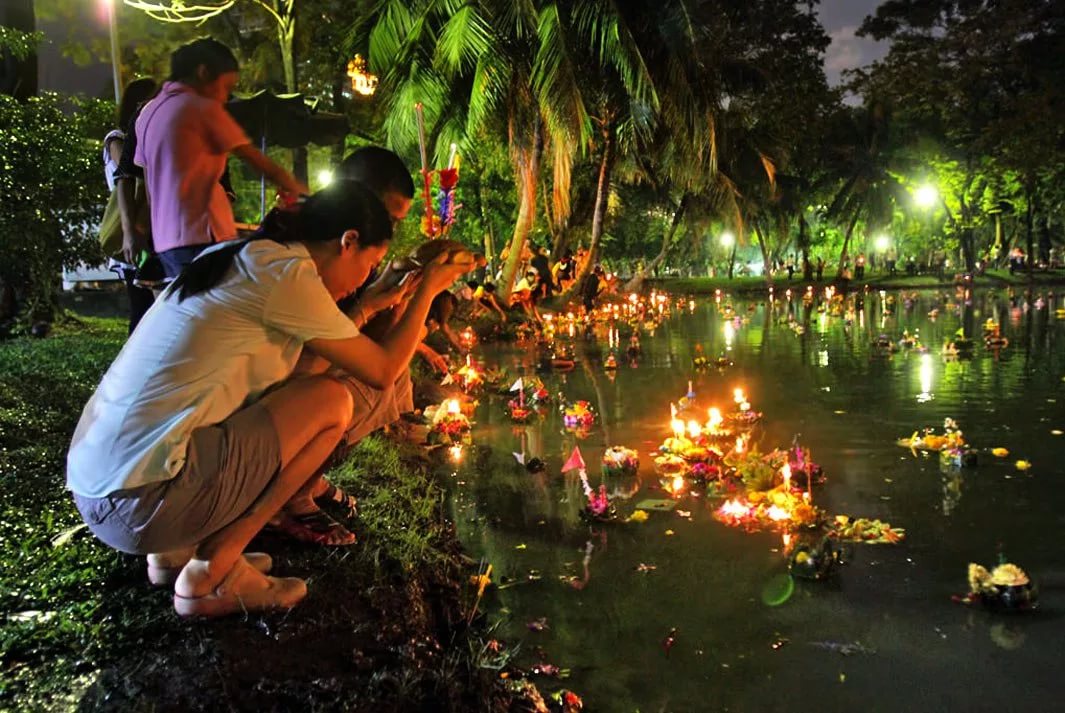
column 137, row 92
column 185, row 135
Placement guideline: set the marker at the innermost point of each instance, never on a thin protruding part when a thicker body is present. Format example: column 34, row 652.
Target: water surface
column 742, row 643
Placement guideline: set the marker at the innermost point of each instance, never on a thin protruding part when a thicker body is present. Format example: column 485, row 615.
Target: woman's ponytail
column 324, row 216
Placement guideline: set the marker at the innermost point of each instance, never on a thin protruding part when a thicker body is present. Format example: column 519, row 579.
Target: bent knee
column 336, row 399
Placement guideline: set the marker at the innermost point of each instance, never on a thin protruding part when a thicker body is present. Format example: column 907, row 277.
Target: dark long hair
column 137, row 92
column 325, row 216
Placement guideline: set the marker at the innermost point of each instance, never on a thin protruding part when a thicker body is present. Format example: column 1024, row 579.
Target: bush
column 52, row 196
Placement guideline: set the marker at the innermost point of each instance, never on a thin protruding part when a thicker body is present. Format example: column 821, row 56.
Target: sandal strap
column 334, row 494
column 316, row 527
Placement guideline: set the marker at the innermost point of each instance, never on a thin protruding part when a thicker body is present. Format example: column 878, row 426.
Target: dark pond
column 884, row 633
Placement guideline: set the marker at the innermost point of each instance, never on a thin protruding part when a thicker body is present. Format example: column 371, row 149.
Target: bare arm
column 378, row 365
column 134, row 239
column 265, row 166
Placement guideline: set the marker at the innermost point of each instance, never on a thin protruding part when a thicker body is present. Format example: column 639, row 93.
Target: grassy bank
column 992, row 278
column 382, row 628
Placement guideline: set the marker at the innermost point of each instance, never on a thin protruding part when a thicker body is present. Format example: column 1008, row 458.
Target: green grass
column 992, row 278
column 81, row 628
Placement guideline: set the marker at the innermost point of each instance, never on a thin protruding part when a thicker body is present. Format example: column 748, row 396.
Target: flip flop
column 316, row 528
column 166, row 576
column 244, row 589
column 335, row 495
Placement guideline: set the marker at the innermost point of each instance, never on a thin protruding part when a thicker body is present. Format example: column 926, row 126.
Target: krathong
column 578, row 415
column 1005, row 588
column 618, row 461
column 449, row 426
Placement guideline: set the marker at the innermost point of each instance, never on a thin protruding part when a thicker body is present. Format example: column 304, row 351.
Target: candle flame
column 786, row 472
column 453, row 406
column 737, row 395
column 715, row 418
column 777, row 513
column 678, row 427
column 739, row 444
column 734, row 508
column 694, row 429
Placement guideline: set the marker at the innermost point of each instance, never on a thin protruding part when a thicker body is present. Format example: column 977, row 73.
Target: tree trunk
column 667, row 238
column 767, row 271
column 527, row 173
column 1029, row 219
column 18, row 77
column 732, row 259
column 846, row 243
column 286, row 35
column 602, row 193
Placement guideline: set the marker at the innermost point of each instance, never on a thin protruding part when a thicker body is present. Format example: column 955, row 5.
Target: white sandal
column 244, row 589
column 161, row 576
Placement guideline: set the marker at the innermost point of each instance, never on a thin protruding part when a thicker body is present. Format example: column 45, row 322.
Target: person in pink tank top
column 184, row 138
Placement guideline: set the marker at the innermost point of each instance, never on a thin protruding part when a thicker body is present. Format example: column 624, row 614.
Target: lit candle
column 715, row 419
column 453, row 406
column 787, row 541
column 451, row 156
column 786, row 472
column 690, row 391
column 678, row 428
column 739, row 444
column 694, row 429
column 737, row 395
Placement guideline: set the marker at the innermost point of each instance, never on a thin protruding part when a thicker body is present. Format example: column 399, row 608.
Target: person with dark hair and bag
column 198, row 436
column 124, row 213
column 184, row 137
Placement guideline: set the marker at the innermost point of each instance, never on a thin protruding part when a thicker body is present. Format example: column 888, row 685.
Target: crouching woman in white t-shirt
column 179, row 454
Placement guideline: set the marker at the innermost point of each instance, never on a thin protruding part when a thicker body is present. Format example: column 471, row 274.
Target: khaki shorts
column 227, row 468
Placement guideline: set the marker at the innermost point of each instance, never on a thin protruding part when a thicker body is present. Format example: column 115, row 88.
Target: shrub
column 52, row 196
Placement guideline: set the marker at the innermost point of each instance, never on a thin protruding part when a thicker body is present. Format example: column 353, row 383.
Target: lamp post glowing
column 926, row 196
column 116, row 68
column 728, row 240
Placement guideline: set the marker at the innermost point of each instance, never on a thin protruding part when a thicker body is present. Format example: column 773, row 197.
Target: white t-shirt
column 110, row 165
column 195, row 363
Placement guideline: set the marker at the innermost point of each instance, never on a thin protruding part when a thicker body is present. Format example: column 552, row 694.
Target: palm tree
column 511, row 68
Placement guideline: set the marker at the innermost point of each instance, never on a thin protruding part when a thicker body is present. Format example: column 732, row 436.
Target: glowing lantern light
column 715, row 418
column 362, row 82
column 777, row 513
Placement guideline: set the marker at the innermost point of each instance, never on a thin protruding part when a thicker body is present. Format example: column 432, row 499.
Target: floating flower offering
column 1005, row 588
column 449, row 424
column 928, row 440
column 618, row 460
column 873, row 532
column 578, row 415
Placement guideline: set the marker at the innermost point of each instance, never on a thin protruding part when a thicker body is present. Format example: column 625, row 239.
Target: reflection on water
column 742, row 635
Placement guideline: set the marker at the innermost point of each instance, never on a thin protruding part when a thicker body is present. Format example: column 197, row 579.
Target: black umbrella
column 288, row 120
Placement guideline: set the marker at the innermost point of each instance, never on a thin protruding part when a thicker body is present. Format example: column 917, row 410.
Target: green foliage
column 20, row 44
column 52, row 193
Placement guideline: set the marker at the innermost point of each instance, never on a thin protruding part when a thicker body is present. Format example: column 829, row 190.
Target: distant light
column 728, row 239
column 926, row 196
column 325, row 177
column 883, row 242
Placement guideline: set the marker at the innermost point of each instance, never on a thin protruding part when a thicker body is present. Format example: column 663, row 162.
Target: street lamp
column 116, row 66
column 926, row 196
column 728, row 240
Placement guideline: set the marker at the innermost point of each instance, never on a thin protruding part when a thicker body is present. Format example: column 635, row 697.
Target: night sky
column 841, row 19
